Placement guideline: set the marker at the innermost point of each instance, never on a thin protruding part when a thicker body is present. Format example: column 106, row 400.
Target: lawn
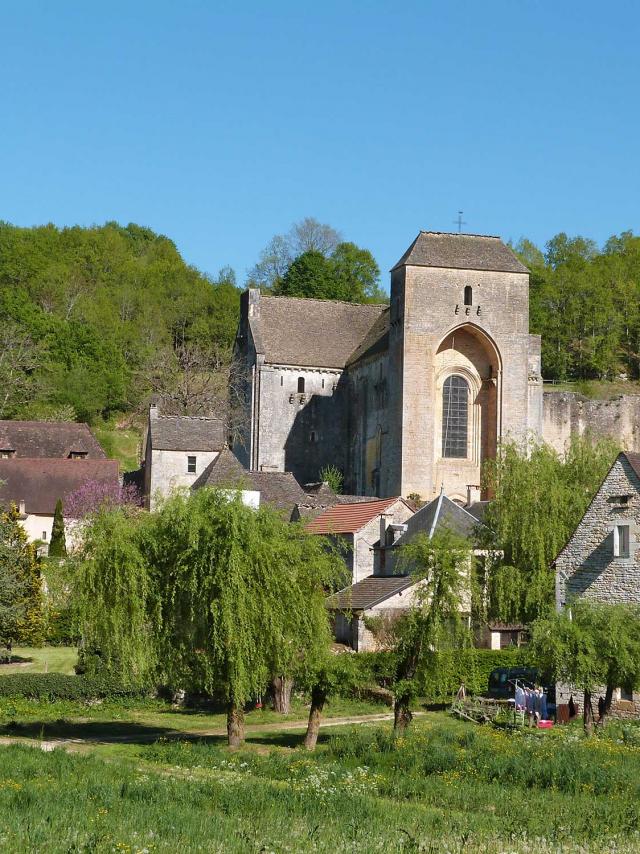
column 446, row 786
column 46, row 659
column 120, row 442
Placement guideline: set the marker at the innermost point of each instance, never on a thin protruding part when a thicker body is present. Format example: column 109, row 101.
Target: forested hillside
column 585, row 303
column 93, row 319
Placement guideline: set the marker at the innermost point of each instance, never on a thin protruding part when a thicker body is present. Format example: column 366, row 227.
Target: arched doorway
column 467, row 411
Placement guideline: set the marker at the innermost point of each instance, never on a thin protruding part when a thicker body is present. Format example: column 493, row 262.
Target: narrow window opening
column 44, row 535
column 281, row 380
column 323, row 383
column 312, row 436
column 455, row 417
column 300, row 385
column 468, row 295
column 621, row 541
column 191, row 465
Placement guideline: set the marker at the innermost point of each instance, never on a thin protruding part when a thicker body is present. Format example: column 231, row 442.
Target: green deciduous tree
column 539, row 496
column 21, row 584
column 208, row 594
column 590, row 645
column 441, row 568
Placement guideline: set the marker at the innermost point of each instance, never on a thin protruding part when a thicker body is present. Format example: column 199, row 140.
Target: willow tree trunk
column 318, row 699
column 587, row 714
column 608, row 698
column 235, row 724
column 282, row 687
column 402, row 716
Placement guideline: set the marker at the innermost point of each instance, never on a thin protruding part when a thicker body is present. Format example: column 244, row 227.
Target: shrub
column 58, row 686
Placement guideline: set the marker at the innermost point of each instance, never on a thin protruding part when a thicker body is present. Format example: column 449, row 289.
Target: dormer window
column 77, row 455
column 191, row 465
column 7, row 453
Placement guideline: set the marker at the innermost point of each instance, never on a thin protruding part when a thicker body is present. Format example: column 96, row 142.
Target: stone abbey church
column 404, row 399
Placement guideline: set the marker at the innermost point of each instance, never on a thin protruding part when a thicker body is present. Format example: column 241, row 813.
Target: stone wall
column 169, row 472
column 568, row 413
column 587, row 567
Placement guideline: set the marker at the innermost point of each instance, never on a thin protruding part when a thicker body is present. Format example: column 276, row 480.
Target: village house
column 41, row 462
column 390, row 590
column 601, row 560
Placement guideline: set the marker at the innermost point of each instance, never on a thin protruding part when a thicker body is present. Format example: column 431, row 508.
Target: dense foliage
column 58, row 686
column 590, row 645
column 539, row 496
column 206, row 593
column 87, row 314
column 585, row 303
column 22, row 617
column 58, row 542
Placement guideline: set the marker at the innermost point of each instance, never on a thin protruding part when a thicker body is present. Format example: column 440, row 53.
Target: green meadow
column 152, row 779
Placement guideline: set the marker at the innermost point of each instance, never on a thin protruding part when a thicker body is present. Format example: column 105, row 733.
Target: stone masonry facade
column 600, row 564
column 366, row 388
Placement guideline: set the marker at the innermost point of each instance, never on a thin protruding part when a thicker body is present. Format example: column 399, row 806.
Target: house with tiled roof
column 41, row 462
column 178, row 449
column 403, row 398
column 358, row 528
column 390, row 590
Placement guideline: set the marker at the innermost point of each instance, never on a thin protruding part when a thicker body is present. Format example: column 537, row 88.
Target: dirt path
column 194, row 735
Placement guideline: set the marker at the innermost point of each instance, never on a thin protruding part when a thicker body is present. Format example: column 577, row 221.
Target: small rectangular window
column 191, row 465
column 44, row 535
column 621, row 541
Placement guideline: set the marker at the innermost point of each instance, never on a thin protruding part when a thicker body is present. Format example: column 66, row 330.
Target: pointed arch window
column 455, row 417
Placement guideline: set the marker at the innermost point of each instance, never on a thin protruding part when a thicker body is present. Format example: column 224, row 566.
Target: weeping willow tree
column 539, row 496
column 441, row 567
column 115, row 597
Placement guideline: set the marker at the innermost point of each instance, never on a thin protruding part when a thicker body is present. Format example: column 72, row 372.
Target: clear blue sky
column 220, row 124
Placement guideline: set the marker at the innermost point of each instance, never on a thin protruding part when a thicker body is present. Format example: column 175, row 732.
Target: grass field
column 46, row 659
column 448, row 786
column 120, row 443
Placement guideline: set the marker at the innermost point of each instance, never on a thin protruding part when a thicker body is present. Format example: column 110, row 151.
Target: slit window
column 312, row 436
column 455, row 417
column 300, row 385
column 191, row 465
column 468, row 295
column 621, row 541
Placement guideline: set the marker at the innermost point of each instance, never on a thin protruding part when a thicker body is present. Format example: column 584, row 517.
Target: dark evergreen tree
column 58, row 543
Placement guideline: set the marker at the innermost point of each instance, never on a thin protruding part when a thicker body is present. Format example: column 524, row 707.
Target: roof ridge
column 326, row 301
column 462, row 234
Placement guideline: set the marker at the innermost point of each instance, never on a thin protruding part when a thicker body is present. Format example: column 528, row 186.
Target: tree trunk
column 235, row 724
column 402, row 716
column 282, row 687
column 587, row 714
column 608, row 698
column 318, row 699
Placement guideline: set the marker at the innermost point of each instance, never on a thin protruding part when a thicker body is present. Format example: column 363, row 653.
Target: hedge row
column 440, row 683
column 58, row 686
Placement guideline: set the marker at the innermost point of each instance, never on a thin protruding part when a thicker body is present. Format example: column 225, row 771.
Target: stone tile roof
column 278, row 489
column 634, row 461
column 376, row 340
column 461, row 251
column 311, row 332
column 40, row 482
column 438, row 514
column 369, row 592
column 348, row 518
column 186, row 433
column 33, row 439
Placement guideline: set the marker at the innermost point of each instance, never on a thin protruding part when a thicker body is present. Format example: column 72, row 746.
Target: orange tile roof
column 348, row 518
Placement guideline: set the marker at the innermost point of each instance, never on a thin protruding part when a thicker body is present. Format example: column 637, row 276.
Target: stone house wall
column 586, row 567
column 168, row 472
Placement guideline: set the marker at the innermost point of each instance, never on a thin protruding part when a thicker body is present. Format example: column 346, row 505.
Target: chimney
column 22, row 508
column 385, row 521
column 254, row 302
column 153, row 410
